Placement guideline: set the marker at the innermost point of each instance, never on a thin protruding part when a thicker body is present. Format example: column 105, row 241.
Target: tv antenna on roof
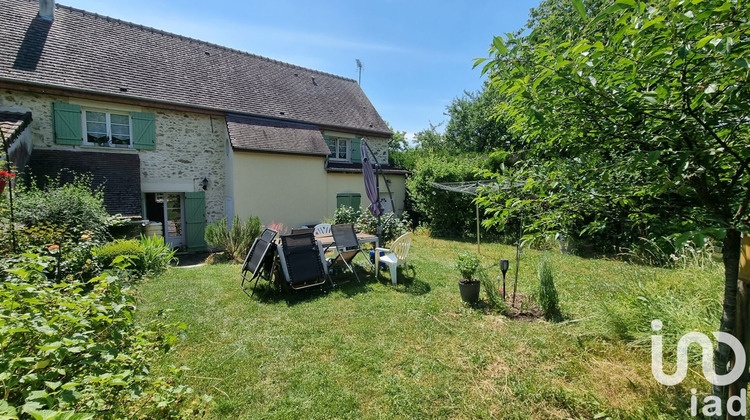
column 359, row 67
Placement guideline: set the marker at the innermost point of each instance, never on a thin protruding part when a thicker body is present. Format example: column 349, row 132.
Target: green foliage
column 397, row 142
column 473, row 127
column 632, row 120
column 666, row 252
column 446, row 213
column 74, row 207
column 392, row 228
column 157, row 255
column 467, row 263
column 363, row 221
column 548, row 299
column 495, row 300
column 73, row 254
column 108, row 253
column 238, row 239
column 345, row 214
column 430, row 139
column 73, row 347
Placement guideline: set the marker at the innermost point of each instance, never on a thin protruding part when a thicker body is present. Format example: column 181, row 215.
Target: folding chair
column 259, row 260
column 301, row 261
column 347, row 246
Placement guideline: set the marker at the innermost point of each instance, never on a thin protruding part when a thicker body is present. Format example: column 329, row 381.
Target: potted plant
column 467, row 264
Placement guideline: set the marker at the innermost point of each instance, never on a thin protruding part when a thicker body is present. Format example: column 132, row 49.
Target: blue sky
column 417, row 55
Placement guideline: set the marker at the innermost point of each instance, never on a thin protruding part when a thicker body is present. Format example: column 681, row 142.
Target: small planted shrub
column 131, row 248
column 467, row 263
column 157, row 254
column 238, row 239
column 548, row 298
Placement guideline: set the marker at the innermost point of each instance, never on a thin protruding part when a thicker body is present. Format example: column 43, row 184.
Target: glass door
column 174, row 219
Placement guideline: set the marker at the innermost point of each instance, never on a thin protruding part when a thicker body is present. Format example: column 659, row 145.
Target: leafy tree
column 430, row 139
column 473, row 126
column 631, row 103
column 397, row 141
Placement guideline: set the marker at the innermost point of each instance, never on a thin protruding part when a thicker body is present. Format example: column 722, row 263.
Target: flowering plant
column 4, row 176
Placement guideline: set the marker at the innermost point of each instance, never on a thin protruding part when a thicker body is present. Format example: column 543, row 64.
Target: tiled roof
column 258, row 134
column 12, row 124
column 87, row 52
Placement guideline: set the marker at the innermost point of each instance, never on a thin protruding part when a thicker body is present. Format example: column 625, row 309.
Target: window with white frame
column 105, row 128
column 340, row 149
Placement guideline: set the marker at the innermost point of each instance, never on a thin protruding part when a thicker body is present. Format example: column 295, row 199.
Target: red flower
column 53, row 247
column 7, row 174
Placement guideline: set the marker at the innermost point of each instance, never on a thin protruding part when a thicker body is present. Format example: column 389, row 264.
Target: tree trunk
column 723, row 353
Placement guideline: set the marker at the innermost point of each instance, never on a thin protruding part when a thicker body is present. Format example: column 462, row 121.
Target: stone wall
column 379, row 147
column 189, row 147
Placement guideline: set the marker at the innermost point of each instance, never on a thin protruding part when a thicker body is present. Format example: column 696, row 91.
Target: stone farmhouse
column 177, row 130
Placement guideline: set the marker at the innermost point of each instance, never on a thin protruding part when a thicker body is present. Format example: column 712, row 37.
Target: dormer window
column 104, row 128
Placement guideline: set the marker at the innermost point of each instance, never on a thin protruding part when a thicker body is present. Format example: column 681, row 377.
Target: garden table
column 326, row 239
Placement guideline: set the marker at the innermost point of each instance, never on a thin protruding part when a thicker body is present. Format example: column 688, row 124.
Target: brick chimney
column 47, row 10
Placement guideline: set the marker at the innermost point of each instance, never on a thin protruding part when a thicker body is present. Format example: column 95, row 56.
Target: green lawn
column 415, row 351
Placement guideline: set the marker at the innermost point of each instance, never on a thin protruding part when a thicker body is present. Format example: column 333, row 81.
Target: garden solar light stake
column 504, row 265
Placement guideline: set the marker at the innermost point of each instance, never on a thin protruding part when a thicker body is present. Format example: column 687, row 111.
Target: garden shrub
column 75, row 206
column 157, row 254
column 446, row 213
column 74, row 347
column 364, row 221
column 238, row 239
column 107, row 253
column 548, row 299
column 345, row 214
column 73, row 254
column 393, row 226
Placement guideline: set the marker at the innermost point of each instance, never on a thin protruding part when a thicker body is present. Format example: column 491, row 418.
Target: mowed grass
column 415, row 351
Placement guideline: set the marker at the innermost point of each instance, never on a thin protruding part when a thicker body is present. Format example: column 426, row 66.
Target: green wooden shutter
column 144, row 130
column 67, row 123
column 356, row 152
column 195, row 220
column 329, row 142
column 352, row 200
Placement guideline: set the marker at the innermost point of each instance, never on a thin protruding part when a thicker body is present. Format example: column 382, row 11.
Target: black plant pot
column 469, row 290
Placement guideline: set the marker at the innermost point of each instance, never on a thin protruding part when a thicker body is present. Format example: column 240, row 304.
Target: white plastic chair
column 322, row 229
column 394, row 256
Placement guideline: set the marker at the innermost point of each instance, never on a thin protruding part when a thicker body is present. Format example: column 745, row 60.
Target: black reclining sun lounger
column 301, row 261
column 259, row 260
